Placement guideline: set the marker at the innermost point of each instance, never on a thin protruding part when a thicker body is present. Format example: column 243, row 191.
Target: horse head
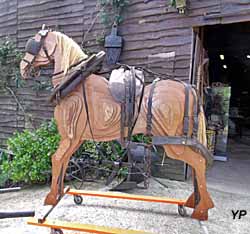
column 39, row 52
column 47, row 47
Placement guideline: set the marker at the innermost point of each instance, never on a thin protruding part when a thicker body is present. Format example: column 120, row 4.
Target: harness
column 129, row 113
column 33, row 47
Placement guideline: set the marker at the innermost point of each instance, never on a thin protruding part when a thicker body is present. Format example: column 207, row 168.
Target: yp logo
column 238, row 214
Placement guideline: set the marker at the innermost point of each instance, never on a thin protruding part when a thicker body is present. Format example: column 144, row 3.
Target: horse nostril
column 25, row 74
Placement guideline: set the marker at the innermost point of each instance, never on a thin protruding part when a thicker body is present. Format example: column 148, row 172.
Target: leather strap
column 129, row 112
column 87, row 108
column 195, row 113
column 76, row 78
column 149, row 113
column 122, row 124
column 186, row 121
column 182, row 140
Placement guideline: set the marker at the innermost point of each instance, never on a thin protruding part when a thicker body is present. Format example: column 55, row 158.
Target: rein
column 70, row 67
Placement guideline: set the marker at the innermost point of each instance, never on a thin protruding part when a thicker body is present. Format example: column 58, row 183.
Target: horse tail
column 202, row 136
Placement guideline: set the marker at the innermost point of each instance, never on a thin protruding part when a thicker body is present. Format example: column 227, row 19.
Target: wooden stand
column 58, row 226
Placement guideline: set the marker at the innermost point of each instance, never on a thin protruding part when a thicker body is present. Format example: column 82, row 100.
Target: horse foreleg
column 198, row 163
column 57, row 169
column 71, row 151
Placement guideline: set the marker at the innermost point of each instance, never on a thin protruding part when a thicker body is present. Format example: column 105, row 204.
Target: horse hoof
column 201, row 215
column 190, row 201
column 50, row 200
column 210, row 203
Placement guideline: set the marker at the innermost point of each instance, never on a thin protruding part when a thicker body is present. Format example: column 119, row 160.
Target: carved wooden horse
column 104, row 114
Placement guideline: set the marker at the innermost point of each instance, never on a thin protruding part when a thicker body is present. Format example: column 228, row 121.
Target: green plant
column 141, row 138
column 3, row 176
column 31, row 154
column 95, row 149
column 111, row 11
column 10, row 58
column 180, row 5
column 173, row 3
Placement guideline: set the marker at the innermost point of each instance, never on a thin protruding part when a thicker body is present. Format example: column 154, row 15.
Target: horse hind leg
column 204, row 201
column 193, row 199
column 60, row 161
column 198, row 163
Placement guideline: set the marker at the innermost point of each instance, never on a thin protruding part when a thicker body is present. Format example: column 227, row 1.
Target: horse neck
column 56, row 79
column 58, row 66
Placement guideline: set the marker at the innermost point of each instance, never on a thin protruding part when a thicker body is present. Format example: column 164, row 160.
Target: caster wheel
column 56, row 231
column 78, row 199
column 182, row 211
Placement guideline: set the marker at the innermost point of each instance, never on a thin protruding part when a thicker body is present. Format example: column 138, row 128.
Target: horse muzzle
column 28, row 71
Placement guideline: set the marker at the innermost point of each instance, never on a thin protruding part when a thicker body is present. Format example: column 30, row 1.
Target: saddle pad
column 117, row 81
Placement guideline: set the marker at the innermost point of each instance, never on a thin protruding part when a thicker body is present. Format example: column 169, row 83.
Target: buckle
column 43, row 32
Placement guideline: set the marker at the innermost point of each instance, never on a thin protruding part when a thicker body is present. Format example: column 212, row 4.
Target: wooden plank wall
column 150, row 30
column 8, row 106
column 8, row 18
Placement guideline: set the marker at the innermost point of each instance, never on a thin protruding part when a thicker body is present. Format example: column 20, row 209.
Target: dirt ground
column 137, row 215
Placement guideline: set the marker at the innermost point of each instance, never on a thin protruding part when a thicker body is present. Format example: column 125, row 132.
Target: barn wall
column 149, row 30
column 8, row 18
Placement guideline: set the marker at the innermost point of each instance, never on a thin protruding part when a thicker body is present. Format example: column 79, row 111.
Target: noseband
column 33, row 47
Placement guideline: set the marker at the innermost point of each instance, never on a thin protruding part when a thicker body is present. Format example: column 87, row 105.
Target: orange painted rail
column 126, row 196
column 55, row 224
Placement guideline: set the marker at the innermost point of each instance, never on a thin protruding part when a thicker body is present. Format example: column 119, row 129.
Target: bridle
column 33, row 47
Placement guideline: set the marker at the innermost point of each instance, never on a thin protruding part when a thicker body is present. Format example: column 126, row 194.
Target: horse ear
column 50, row 43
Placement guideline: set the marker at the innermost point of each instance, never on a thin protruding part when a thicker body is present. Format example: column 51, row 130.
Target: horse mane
column 71, row 52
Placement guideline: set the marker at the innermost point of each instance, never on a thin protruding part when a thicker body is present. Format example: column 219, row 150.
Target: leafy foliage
column 98, row 150
column 173, row 3
column 32, row 152
column 10, row 58
column 111, row 11
column 3, row 176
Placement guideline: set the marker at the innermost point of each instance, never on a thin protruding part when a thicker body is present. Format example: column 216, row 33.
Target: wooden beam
column 55, row 224
column 126, row 196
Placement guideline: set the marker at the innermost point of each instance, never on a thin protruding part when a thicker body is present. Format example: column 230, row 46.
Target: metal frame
column 57, row 226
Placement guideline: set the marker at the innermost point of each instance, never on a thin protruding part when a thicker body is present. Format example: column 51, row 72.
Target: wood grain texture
column 148, row 29
column 89, row 112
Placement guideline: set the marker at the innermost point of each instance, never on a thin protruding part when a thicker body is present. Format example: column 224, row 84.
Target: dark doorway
column 228, row 49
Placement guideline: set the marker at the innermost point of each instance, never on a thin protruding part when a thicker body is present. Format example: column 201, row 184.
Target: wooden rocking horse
column 89, row 111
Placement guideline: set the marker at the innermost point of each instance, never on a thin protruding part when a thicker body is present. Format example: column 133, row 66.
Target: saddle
column 126, row 85
column 78, row 73
column 120, row 81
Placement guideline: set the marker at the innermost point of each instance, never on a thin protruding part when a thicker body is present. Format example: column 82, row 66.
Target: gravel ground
column 151, row 217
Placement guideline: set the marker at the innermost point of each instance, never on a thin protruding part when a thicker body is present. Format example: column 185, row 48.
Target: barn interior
column 228, row 95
